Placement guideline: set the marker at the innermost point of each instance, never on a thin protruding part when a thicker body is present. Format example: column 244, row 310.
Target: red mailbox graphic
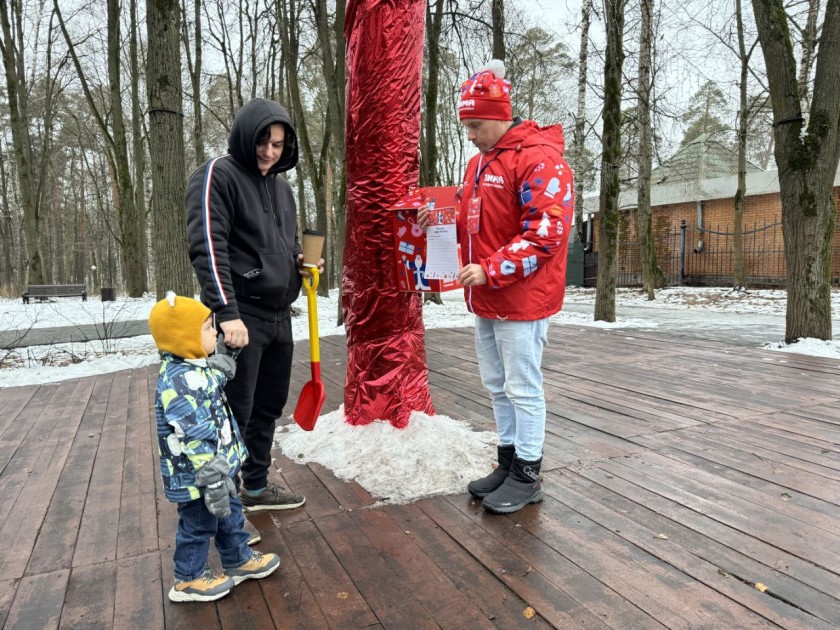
column 410, row 239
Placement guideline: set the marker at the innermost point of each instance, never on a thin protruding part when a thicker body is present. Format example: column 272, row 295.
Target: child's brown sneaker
column 208, row 587
column 259, row 566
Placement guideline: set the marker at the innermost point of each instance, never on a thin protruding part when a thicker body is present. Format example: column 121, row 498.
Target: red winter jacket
column 527, row 201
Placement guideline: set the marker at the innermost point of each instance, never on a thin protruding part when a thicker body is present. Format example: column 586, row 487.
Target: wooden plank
column 41, row 460
column 498, row 602
column 89, row 602
column 16, row 451
column 167, row 515
column 299, row 478
column 744, row 557
column 662, row 591
column 795, row 536
column 349, row 495
column 432, row 589
column 137, row 531
column 97, row 540
column 769, row 447
column 779, row 471
column 550, row 602
column 12, row 402
column 139, row 592
column 8, row 589
column 728, row 596
column 55, row 543
column 38, row 601
column 586, row 590
column 336, row 595
column 390, row 598
column 815, row 511
column 291, row 603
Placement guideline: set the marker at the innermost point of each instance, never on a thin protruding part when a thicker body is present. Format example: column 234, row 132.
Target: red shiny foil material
column 387, row 375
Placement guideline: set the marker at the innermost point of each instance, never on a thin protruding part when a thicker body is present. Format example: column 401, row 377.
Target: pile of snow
column 432, row 455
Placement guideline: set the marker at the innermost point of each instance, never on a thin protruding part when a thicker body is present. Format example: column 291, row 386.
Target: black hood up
column 250, row 121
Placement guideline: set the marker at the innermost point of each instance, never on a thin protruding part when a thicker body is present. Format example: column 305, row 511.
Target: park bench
column 43, row 291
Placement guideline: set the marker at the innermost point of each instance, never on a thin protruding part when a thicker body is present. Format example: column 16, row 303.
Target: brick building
column 692, row 208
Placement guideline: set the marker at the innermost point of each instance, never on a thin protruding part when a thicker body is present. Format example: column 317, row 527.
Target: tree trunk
column 809, row 44
column 194, row 64
column 134, row 258
column 17, row 91
column 580, row 118
column 498, row 14
column 651, row 274
column 166, row 144
column 610, row 162
column 7, row 273
column 138, row 148
column 807, row 160
column 743, row 119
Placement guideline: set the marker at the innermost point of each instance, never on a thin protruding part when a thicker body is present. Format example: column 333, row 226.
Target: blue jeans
column 196, row 526
column 509, row 357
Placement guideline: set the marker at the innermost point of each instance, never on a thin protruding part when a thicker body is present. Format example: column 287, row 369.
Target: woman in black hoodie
column 243, row 244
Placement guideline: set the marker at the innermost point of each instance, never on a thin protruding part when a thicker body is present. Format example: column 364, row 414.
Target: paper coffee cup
column 313, row 245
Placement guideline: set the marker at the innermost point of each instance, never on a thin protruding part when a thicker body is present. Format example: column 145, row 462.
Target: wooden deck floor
column 688, row 486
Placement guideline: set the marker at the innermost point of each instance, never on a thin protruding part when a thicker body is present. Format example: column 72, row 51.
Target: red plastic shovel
column 312, row 395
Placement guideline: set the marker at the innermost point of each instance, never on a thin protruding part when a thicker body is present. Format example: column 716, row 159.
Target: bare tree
column 11, row 47
column 739, row 282
column 807, row 157
column 132, row 220
column 498, row 16
column 651, row 274
column 610, row 162
column 579, row 142
column 166, row 144
column 194, row 65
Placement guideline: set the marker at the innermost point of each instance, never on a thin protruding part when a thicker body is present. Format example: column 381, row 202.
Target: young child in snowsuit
column 201, row 451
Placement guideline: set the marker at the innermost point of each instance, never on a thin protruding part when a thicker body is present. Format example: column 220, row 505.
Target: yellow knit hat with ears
column 176, row 324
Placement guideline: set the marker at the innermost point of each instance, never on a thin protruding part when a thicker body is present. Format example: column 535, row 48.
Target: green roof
column 700, row 159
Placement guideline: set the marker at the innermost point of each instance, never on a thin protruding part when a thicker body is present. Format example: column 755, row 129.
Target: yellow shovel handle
column 310, row 284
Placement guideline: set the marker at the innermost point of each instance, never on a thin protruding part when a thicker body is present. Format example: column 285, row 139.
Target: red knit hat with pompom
column 486, row 94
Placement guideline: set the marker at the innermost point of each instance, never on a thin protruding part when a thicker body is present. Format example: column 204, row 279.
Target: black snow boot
column 521, row 487
column 482, row 487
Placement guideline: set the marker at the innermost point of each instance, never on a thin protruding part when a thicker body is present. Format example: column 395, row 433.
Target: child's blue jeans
column 196, row 526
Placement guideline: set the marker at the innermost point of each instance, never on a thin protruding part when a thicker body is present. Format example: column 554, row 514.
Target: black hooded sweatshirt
column 242, row 225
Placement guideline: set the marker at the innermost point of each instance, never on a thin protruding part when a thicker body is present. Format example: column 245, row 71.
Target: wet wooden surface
column 688, row 485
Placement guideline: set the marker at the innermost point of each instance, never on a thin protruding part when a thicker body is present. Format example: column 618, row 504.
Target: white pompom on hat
column 486, row 94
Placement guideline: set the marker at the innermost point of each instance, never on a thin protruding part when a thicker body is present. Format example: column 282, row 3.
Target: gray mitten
column 218, row 487
column 224, row 358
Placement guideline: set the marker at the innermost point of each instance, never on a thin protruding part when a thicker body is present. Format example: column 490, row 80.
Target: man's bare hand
column 236, row 334
column 423, row 216
column 304, row 271
column 472, row 275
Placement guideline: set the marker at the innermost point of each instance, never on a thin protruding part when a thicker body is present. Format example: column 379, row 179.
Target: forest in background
column 95, row 94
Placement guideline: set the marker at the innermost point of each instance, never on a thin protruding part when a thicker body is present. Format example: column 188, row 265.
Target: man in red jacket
column 513, row 224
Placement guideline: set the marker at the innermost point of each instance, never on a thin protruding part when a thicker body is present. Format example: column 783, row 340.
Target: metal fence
column 694, row 256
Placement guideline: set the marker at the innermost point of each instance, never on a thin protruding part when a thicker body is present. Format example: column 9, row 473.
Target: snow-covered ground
column 431, row 456
column 695, row 306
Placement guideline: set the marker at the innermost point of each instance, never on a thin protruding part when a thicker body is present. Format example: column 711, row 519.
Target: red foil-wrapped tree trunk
column 387, row 375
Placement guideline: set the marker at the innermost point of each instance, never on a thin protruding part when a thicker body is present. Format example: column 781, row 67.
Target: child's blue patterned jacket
column 194, row 422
